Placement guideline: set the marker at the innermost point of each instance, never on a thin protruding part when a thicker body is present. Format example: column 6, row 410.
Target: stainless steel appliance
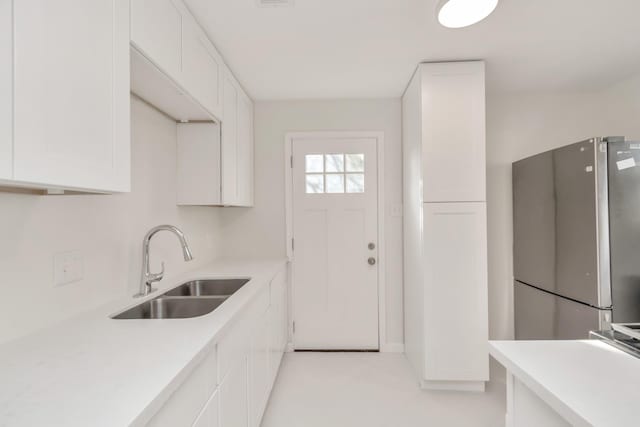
column 577, row 239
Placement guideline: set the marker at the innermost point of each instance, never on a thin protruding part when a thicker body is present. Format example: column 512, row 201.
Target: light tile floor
column 371, row 390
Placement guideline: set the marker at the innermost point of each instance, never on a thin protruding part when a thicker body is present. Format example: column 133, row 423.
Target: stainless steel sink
column 208, row 287
column 172, row 308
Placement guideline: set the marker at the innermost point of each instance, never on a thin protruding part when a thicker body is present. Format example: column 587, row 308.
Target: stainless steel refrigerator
column 576, row 213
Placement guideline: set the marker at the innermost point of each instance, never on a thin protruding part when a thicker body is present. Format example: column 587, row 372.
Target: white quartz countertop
column 92, row 370
column 589, row 383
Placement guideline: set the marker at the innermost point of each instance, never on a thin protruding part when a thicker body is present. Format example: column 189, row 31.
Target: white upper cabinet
column 245, row 151
column 6, row 96
column 237, row 145
column 230, row 141
column 71, row 94
column 198, row 164
column 156, row 30
column 173, row 45
column 202, row 68
column 453, row 126
column 176, row 68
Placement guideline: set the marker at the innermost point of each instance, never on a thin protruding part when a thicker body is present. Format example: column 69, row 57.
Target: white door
column 335, row 222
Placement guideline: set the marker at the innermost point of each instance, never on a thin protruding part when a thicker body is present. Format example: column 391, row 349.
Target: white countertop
column 92, row 370
column 589, row 383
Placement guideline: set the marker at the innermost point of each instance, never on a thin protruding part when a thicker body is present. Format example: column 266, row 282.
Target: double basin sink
column 191, row 299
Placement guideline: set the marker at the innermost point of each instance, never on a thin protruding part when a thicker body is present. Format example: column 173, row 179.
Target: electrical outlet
column 67, row 268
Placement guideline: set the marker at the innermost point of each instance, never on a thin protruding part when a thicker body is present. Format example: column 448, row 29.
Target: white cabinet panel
column 278, row 323
column 230, row 142
column 156, row 30
column 71, row 89
column 209, row 417
column 6, row 83
column 234, row 397
column 201, row 68
column 259, row 369
column 184, row 405
column 245, row 151
column 237, row 145
column 453, row 152
column 455, row 259
column 198, row 164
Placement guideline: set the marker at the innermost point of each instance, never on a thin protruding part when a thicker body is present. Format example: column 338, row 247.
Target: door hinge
column 293, row 244
column 294, row 327
column 291, row 161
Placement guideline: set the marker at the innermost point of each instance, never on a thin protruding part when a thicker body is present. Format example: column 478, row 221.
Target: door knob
column 371, row 261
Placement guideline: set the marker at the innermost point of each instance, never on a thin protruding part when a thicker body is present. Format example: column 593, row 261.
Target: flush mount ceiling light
column 462, row 13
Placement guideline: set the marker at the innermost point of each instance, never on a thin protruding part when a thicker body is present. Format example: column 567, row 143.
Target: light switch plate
column 67, row 268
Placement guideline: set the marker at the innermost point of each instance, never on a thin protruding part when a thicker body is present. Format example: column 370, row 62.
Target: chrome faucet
column 148, row 278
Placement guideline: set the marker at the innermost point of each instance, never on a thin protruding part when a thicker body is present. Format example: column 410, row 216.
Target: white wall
column 107, row 229
column 261, row 230
column 520, row 125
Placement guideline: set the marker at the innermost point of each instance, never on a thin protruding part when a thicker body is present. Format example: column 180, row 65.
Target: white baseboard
column 393, row 347
column 477, row 386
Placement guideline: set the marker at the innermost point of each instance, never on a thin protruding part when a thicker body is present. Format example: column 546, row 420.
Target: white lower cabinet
column 234, row 398
column 259, row 369
column 210, row 415
column 186, row 402
column 230, row 387
column 455, row 266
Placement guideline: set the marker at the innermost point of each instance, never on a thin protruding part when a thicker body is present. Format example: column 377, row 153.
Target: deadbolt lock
column 371, row 246
column 371, row 261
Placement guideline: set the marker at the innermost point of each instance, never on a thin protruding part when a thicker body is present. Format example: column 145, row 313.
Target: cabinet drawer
column 184, row 405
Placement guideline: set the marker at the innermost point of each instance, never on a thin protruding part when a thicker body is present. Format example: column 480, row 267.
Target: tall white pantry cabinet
column 445, row 225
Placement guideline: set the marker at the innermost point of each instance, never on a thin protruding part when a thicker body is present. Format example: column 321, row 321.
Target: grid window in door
column 334, row 173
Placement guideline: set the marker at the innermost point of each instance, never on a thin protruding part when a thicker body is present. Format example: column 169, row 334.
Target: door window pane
column 315, row 183
column 335, row 183
column 313, row 163
column 355, row 183
column 355, row 162
column 334, row 162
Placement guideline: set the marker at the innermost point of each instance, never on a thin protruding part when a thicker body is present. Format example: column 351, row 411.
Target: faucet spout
column 148, row 278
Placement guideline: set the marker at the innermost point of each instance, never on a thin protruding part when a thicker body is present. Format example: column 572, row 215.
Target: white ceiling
column 369, row 48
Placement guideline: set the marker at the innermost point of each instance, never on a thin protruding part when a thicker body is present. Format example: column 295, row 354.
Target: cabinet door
column 234, row 397
column 198, row 164
column 455, row 268
column 245, row 150
column 210, row 414
column 453, row 123
column 201, row 68
column 278, row 313
column 6, row 83
column 230, row 142
column 156, row 30
column 259, row 372
column 71, row 89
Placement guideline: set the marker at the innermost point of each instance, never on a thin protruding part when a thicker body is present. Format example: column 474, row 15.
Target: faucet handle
column 156, row 277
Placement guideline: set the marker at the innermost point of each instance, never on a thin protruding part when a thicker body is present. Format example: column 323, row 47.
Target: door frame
column 289, row 139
